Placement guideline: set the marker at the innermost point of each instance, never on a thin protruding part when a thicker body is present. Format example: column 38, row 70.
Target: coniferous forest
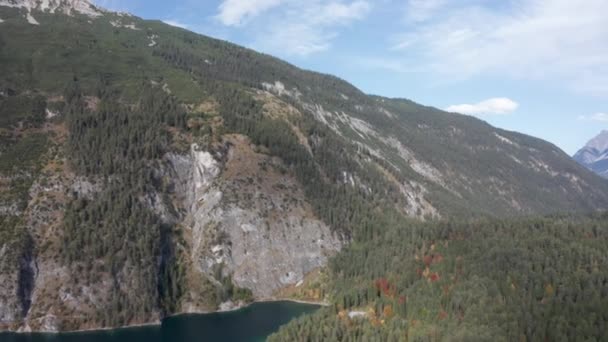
column 487, row 280
column 433, row 247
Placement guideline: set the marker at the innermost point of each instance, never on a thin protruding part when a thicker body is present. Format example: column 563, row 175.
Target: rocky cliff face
column 594, row 155
column 39, row 292
column 241, row 214
column 69, row 7
column 247, row 218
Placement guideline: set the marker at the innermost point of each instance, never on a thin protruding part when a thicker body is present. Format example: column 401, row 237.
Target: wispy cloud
column 238, row 12
column 311, row 26
column 600, row 117
column 387, row 64
column 293, row 27
column 175, row 23
column 421, row 10
column 494, row 106
column 557, row 40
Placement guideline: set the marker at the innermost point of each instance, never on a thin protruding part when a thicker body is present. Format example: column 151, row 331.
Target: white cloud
column 338, row 13
column 308, row 27
column 293, row 27
column 601, row 117
column 175, row 23
column 559, row 40
column 237, row 12
column 494, row 106
column 421, row 10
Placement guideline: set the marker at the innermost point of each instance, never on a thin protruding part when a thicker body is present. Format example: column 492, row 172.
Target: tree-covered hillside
column 486, row 280
column 140, row 164
column 453, row 162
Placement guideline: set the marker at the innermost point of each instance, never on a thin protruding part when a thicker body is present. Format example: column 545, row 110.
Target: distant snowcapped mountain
column 68, row 7
column 594, row 155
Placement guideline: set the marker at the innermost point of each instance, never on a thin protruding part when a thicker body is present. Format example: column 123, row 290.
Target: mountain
column 594, row 155
column 68, row 7
column 146, row 171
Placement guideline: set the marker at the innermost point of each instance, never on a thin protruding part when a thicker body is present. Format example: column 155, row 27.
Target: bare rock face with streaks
column 248, row 218
column 69, row 7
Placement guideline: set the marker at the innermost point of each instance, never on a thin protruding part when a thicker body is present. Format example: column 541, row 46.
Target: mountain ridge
column 594, row 155
column 51, row 6
column 198, row 154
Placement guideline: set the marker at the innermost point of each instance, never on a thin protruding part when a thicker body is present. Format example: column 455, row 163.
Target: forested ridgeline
column 506, row 180
column 120, row 144
column 484, row 280
column 194, row 67
column 529, row 280
column 114, row 233
column 321, row 169
column 488, row 280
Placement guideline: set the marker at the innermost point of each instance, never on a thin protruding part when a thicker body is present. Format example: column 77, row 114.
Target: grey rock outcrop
column 594, row 155
column 248, row 218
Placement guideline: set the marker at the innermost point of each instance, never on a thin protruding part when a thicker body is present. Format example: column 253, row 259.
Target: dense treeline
column 24, row 109
column 527, row 280
column 327, row 325
column 116, row 140
column 22, row 149
column 114, row 233
column 115, row 145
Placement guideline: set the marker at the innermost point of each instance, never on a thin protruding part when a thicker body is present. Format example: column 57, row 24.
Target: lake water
column 251, row 324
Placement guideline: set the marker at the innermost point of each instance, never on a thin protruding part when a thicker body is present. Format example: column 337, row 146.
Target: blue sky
column 535, row 66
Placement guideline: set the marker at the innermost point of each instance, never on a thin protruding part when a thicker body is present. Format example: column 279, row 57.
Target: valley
column 147, row 171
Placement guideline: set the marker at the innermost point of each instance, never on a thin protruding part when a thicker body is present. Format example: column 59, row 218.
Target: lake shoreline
column 181, row 314
column 269, row 300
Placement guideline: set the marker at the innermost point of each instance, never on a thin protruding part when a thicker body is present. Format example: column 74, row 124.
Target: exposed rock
column 9, row 209
column 69, row 7
column 51, row 114
column 367, row 137
column 280, row 89
column 153, row 41
column 30, row 19
column 118, row 23
column 230, row 306
column 84, row 188
column 357, row 314
column 594, row 155
column 249, row 218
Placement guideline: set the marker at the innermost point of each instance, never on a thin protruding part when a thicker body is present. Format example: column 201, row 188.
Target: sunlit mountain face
column 594, row 155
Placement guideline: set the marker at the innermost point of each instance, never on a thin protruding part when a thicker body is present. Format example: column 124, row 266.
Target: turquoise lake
column 251, row 324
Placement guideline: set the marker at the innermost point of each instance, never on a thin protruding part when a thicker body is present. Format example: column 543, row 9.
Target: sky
column 538, row 67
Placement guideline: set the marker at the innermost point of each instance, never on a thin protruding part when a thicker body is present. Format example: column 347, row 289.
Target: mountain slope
column 142, row 166
column 68, row 7
column 424, row 145
column 594, row 155
column 488, row 280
